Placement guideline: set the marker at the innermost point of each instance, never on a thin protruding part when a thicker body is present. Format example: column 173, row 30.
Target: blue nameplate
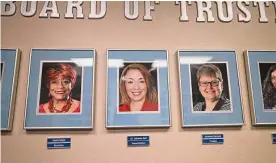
column 212, row 139
column 138, row 141
column 273, row 138
column 58, row 143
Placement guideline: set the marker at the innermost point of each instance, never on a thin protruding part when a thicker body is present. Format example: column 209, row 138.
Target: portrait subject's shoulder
column 148, row 106
column 124, row 108
column 226, row 106
column 43, row 107
column 198, row 106
column 76, row 102
column 76, row 105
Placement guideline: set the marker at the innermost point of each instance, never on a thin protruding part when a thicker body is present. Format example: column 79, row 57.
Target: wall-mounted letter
column 274, row 2
column 183, row 10
column 93, row 10
column 134, row 15
column 244, row 10
column 201, row 10
column 7, row 8
column 28, row 11
column 148, row 9
column 229, row 12
column 262, row 5
column 46, row 8
column 69, row 10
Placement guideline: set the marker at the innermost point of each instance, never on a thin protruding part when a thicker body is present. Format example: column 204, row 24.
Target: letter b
column 7, row 8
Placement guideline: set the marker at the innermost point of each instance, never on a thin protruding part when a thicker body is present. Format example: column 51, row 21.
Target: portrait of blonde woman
column 60, row 88
column 210, row 88
column 138, row 88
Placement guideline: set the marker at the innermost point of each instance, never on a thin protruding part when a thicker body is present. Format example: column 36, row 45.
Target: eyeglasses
column 212, row 83
column 273, row 78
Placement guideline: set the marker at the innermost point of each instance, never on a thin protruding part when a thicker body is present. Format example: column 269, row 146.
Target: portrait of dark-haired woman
column 1, row 71
column 269, row 88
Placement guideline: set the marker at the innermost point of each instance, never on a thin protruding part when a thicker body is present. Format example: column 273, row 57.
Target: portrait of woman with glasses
column 209, row 89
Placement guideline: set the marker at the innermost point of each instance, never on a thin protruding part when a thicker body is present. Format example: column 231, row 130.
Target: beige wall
column 175, row 145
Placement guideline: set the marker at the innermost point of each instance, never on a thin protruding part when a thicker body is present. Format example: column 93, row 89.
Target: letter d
column 7, row 8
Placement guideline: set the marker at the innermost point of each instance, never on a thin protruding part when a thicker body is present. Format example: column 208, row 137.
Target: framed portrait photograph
column 60, row 89
column 261, row 74
column 137, row 89
column 10, row 59
column 210, row 92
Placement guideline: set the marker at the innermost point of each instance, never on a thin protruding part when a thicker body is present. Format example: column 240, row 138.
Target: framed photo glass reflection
column 137, row 89
column 60, row 89
column 261, row 73
column 210, row 93
column 8, row 83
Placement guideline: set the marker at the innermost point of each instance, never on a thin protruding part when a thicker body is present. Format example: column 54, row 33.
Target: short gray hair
column 209, row 70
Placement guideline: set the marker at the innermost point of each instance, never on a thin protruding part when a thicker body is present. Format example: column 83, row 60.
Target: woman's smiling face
column 210, row 87
column 135, row 84
column 273, row 78
column 60, row 88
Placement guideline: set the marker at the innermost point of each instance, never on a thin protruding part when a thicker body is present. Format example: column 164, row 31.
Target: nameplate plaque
column 138, row 141
column 58, row 143
column 212, row 139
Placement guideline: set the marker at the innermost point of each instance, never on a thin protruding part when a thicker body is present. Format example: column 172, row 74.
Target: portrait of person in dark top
column 269, row 87
column 137, row 90
column 60, row 89
column 210, row 85
column 1, row 71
